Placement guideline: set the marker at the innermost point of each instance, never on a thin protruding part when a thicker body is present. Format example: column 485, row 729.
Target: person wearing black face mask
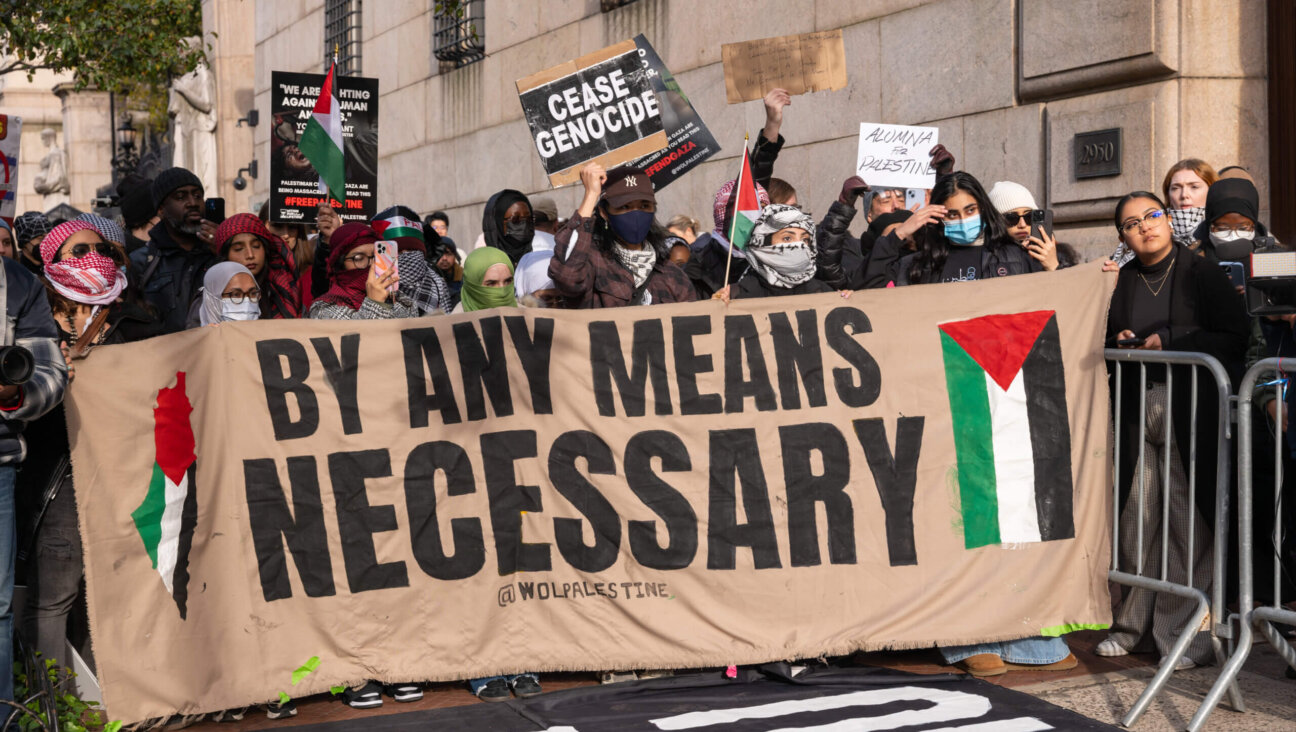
column 508, row 224
column 612, row 251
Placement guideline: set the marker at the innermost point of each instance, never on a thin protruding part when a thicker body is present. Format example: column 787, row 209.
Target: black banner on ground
column 690, row 142
column 294, row 184
column 754, row 702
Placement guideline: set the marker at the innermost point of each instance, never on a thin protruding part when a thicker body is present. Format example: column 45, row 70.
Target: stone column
column 87, row 137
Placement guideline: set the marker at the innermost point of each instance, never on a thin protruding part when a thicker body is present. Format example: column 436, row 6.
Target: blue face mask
column 964, row 231
column 631, row 226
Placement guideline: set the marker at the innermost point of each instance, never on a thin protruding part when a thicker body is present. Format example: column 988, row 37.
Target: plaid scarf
column 280, row 298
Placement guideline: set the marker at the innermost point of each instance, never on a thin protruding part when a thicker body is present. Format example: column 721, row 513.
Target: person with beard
column 444, row 257
column 612, row 252
column 780, row 257
column 29, row 230
column 508, row 224
column 178, row 252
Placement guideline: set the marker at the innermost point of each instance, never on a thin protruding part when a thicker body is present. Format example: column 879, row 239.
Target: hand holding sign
column 775, row 101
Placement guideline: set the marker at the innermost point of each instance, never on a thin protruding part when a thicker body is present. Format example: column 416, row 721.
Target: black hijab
column 494, row 232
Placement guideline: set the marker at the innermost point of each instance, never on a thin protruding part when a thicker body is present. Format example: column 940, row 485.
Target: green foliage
column 74, row 713
column 111, row 45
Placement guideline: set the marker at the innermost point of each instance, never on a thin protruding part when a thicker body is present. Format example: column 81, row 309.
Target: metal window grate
column 342, row 31
column 610, row 5
column 460, row 37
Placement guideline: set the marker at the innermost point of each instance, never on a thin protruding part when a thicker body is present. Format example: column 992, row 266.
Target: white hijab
column 532, row 272
column 214, row 283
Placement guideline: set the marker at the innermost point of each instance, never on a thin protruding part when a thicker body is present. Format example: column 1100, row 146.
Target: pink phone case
column 385, row 260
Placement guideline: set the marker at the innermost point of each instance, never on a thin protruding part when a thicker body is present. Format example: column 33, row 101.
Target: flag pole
column 733, row 221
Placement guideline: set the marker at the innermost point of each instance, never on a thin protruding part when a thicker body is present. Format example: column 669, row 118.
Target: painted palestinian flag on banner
column 748, row 208
column 167, row 517
column 321, row 143
column 1007, row 395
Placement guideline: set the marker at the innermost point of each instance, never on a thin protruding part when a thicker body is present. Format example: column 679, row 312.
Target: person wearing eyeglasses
column 84, row 278
column 1167, row 298
column 354, row 291
column 230, row 293
column 243, row 238
column 1231, row 224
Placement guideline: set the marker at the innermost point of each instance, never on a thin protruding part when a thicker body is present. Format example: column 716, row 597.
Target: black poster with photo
column 294, row 184
column 690, row 142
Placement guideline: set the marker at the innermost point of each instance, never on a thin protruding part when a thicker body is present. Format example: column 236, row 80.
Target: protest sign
column 514, row 490
column 801, row 64
column 598, row 108
column 896, row 156
column 10, row 146
column 691, row 143
column 294, row 184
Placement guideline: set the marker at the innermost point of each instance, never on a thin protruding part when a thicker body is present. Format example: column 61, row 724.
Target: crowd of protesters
column 72, row 285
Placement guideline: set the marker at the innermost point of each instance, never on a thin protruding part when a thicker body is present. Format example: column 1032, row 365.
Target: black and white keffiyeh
column 639, row 261
column 1184, row 223
column 782, row 265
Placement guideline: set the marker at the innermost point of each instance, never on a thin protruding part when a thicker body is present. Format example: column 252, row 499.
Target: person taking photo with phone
column 355, row 291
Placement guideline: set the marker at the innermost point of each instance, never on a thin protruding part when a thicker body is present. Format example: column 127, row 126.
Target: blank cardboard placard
column 801, row 64
column 599, row 108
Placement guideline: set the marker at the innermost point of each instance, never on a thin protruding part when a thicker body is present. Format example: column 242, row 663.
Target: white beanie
column 1006, row 196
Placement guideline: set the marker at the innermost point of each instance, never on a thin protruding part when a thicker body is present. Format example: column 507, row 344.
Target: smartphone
column 1041, row 221
column 915, row 197
column 1236, row 273
column 1131, row 342
column 214, row 210
column 385, row 260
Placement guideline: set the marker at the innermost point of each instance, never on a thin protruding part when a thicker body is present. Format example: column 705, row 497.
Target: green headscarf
column 475, row 295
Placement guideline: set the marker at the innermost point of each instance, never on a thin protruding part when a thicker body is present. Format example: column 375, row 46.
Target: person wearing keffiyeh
column 354, row 293
column 781, row 256
column 244, row 239
column 29, row 229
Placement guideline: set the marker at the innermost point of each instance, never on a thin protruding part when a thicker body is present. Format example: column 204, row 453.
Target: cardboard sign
column 801, row 64
column 896, row 156
column 294, row 185
column 639, row 487
column 691, row 143
column 10, row 145
column 600, row 107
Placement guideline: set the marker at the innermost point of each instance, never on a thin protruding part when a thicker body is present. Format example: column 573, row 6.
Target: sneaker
column 1110, row 648
column 1185, row 664
column 368, row 696
column 526, row 687
column 616, row 677
column 404, row 692
column 495, row 690
column 281, row 710
column 229, row 715
column 983, row 664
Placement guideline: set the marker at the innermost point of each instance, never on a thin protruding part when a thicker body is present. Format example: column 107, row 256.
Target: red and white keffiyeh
column 91, row 280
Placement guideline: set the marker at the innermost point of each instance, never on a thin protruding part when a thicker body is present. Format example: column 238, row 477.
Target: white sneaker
column 1185, row 663
column 1110, row 648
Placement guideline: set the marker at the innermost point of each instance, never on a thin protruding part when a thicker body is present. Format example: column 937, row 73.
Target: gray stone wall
column 1008, row 82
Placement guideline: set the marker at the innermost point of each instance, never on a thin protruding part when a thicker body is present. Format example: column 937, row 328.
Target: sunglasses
column 80, row 250
column 1012, row 217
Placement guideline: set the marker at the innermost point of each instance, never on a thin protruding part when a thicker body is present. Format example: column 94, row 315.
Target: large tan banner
column 533, row 490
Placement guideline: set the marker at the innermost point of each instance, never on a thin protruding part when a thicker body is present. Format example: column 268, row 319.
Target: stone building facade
column 1010, row 83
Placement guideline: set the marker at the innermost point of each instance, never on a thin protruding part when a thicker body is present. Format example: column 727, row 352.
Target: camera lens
column 16, row 365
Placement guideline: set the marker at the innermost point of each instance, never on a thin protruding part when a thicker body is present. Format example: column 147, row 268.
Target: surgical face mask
column 519, row 233
column 632, row 226
column 964, row 231
column 246, row 310
column 1228, row 237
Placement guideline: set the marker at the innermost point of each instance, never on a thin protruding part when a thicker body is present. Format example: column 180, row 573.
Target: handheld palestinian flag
column 747, row 209
column 167, row 517
column 1007, row 394
column 321, row 143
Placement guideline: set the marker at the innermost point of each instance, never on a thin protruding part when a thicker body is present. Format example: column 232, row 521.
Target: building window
column 459, row 35
column 610, row 5
column 342, row 34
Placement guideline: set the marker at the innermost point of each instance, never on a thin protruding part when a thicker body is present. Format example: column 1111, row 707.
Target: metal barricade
column 1212, row 607
column 1265, row 616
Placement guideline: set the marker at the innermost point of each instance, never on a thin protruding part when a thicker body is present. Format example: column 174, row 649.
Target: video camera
column 1270, row 275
